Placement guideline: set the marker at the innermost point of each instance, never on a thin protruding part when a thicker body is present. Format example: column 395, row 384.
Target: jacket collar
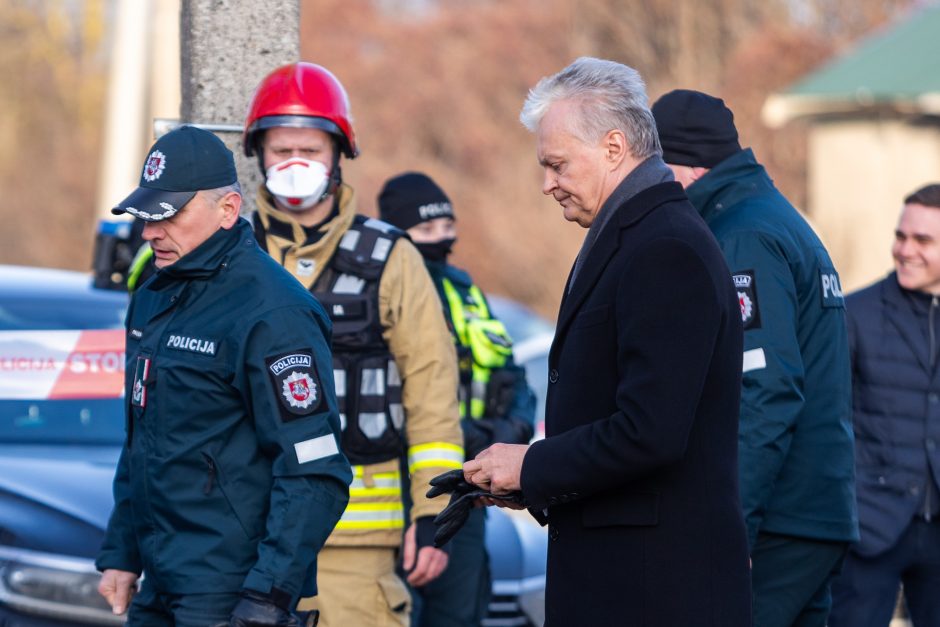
column 627, row 216
column 738, row 177
column 207, row 258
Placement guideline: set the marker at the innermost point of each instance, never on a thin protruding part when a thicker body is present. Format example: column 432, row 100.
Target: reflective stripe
column 398, row 415
column 339, row 381
column 382, row 484
column 348, row 284
column 754, row 359
column 378, row 225
column 315, row 448
column 394, row 377
column 381, row 248
column 372, row 516
column 350, row 240
column 342, row 421
column 373, row 382
column 373, row 424
column 435, row 455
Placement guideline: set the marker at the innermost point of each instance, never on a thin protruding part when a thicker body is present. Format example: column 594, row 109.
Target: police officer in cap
column 231, row 476
column 495, row 403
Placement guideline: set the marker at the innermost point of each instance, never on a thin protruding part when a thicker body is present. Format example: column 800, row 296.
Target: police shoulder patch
column 296, row 384
column 831, row 288
column 746, row 286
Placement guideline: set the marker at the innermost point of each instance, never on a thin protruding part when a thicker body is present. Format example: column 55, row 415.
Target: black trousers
column 866, row 592
column 154, row 609
column 790, row 579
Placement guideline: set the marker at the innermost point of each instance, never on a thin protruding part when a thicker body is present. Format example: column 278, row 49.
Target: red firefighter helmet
column 301, row 95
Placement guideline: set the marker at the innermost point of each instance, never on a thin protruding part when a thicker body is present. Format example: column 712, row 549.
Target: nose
column 152, row 231
column 548, row 183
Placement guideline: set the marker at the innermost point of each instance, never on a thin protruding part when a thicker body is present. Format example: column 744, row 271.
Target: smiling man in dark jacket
column 894, row 334
column 795, row 436
column 231, row 478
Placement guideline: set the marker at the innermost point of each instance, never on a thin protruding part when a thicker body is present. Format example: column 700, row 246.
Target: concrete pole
column 227, row 47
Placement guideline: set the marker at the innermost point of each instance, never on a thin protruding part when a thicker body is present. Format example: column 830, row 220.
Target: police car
column 61, row 430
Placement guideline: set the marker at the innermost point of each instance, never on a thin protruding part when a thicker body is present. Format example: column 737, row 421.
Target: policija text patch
column 746, row 286
column 296, row 383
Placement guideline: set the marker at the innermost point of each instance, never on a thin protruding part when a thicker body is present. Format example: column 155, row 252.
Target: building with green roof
column 874, row 136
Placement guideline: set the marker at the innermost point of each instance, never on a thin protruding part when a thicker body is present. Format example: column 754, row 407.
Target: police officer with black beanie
column 496, row 404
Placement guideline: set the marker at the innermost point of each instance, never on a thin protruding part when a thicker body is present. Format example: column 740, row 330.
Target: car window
column 53, row 313
column 62, row 386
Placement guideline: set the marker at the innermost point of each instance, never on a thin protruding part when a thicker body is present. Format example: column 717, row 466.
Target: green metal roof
column 898, row 63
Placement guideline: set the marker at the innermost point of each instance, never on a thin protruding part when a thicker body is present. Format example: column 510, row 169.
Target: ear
column 615, row 147
column 231, row 205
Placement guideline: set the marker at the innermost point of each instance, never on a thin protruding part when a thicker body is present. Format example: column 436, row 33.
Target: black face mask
column 436, row 251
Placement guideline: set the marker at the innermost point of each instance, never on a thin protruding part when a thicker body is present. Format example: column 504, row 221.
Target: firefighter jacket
column 231, row 474
column 495, row 403
column 394, row 360
column 795, row 442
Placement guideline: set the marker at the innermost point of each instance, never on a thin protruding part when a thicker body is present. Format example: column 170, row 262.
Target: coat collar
column 628, row 215
column 738, row 177
column 207, row 258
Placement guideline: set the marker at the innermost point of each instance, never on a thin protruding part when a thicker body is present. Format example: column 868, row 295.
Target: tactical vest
column 368, row 384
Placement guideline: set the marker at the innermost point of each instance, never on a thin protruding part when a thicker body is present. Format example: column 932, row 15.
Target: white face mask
column 298, row 183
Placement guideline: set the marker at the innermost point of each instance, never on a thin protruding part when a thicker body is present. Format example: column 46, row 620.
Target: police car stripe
column 754, row 359
column 315, row 448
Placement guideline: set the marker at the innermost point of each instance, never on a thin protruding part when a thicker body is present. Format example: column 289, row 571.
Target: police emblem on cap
column 154, row 166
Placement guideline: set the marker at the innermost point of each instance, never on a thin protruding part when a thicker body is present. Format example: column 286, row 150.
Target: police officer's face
column 196, row 222
column 916, row 249
column 435, row 230
column 312, row 144
column 577, row 174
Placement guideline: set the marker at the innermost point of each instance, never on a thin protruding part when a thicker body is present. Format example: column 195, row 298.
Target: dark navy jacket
column 231, row 475
column 896, row 402
column 795, row 439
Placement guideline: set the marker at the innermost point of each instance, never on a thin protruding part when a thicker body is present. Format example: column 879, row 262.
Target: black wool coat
column 638, row 473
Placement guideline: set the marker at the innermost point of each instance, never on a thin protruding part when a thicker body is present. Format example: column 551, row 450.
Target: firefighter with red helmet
column 394, row 361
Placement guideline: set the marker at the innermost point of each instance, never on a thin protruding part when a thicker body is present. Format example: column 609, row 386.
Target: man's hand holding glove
column 463, row 495
column 259, row 610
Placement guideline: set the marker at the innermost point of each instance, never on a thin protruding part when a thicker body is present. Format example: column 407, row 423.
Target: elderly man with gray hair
column 637, row 476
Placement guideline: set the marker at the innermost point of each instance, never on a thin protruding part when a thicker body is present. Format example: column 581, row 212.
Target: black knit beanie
column 695, row 129
column 411, row 198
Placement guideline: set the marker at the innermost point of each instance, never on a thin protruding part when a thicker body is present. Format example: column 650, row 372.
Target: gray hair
column 216, row 194
column 612, row 96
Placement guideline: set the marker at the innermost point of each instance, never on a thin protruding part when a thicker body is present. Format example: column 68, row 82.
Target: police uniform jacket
column 230, row 475
column 795, row 439
column 417, row 337
column 638, row 470
column 896, row 403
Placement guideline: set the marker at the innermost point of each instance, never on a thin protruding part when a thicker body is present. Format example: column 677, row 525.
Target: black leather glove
column 463, row 496
column 258, row 610
column 448, row 483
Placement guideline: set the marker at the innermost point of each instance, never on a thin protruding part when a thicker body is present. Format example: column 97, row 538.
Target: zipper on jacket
column 933, row 334
column 210, row 475
column 933, row 360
